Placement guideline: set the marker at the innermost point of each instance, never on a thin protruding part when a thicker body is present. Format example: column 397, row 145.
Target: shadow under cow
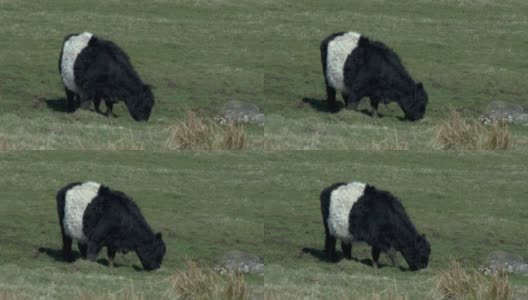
column 321, row 105
column 57, row 256
column 57, row 104
column 321, row 255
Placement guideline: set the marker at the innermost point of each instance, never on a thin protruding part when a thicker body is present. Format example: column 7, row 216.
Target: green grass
column 467, row 204
column 466, row 53
column 201, row 54
column 204, row 204
column 197, row 55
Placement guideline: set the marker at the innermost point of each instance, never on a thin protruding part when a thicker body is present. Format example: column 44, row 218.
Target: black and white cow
column 361, row 68
column 97, row 217
column 93, row 69
column 356, row 212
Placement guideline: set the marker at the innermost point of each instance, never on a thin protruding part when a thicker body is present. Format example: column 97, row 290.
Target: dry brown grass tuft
column 235, row 137
column 193, row 132
column 499, row 137
column 500, row 287
column 201, row 282
column 235, row 287
column 458, row 133
column 200, row 133
column 458, row 282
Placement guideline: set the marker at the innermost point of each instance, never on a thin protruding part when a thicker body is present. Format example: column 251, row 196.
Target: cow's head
column 140, row 105
column 417, row 253
column 151, row 253
column 414, row 106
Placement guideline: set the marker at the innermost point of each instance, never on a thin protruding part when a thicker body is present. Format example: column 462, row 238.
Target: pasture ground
column 200, row 54
column 206, row 203
column 467, row 204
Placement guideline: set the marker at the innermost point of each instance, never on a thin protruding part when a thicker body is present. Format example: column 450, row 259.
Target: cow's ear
column 419, row 85
column 158, row 235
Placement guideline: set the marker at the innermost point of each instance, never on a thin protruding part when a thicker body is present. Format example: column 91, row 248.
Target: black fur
column 379, row 219
column 114, row 221
column 104, row 71
column 374, row 70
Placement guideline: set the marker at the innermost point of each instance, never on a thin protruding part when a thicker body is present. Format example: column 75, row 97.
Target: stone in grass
column 240, row 262
column 237, row 112
column 500, row 111
column 502, row 261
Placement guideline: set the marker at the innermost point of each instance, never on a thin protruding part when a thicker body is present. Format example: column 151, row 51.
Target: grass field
column 200, row 54
column 468, row 204
column 204, row 204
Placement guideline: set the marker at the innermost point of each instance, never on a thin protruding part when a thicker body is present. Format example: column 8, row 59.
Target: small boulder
column 237, row 112
column 500, row 111
column 501, row 261
column 241, row 262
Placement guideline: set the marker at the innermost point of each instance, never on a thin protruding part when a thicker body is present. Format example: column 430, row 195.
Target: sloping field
column 204, row 204
column 200, row 54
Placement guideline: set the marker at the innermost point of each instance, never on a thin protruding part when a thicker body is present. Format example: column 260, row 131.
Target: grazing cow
column 361, row 68
column 97, row 216
column 95, row 69
column 356, row 212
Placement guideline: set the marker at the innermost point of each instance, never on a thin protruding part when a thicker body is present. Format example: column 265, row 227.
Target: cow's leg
column 70, row 100
column 97, row 103
column 374, row 103
column 66, row 247
column 347, row 249
column 375, row 256
column 331, row 98
column 330, row 247
column 109, row 106
column 83, row 248
column 393, row 256
column 97, row 238
column 353, row 99
column 111, row 252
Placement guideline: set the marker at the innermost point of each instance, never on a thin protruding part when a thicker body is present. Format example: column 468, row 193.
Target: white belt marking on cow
column 337, row 52
column 72, row 47
column 341, row 201
column 77, row 199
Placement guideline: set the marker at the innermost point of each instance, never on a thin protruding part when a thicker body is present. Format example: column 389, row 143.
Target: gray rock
column 501, row 261
column 237, row 112
column 511, row 113
column 237, row 261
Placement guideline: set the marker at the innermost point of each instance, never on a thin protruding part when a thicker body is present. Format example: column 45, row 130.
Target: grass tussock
column 201, row 282
column 458, row 282
column 195, row 132
column 235, row 137
column 456, row 132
